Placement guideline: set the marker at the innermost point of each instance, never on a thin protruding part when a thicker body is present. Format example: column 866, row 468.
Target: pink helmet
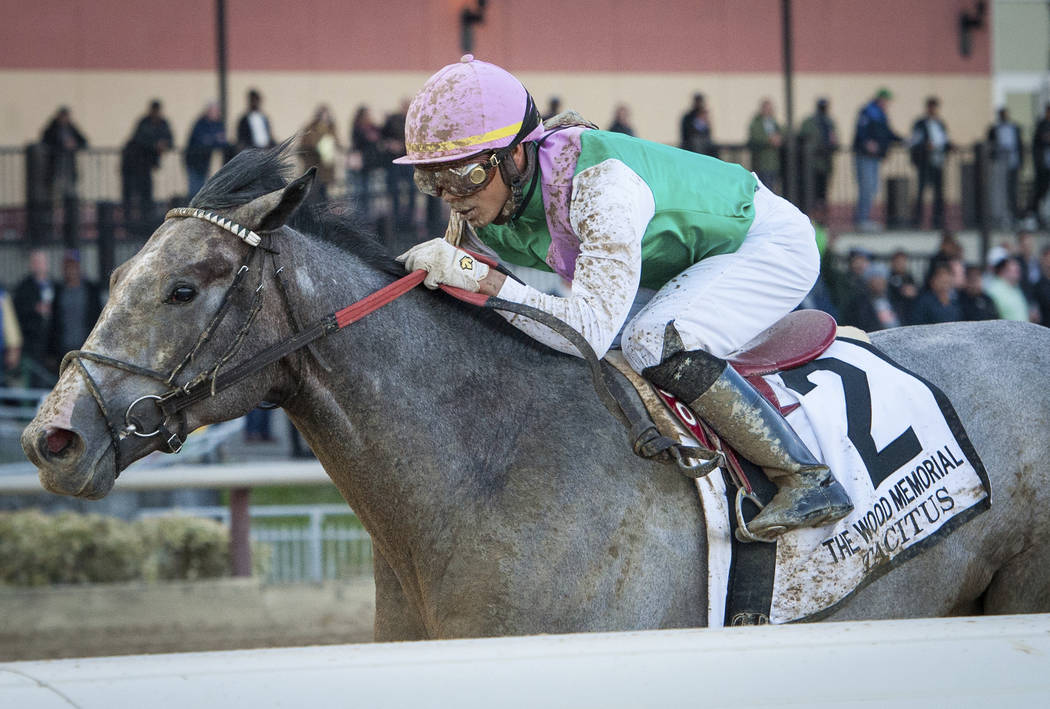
column 466, row 108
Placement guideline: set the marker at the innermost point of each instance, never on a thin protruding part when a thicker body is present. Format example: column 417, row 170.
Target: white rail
column 957, row 662
column 174, row 477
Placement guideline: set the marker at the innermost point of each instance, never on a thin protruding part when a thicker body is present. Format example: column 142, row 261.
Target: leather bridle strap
column 179, row 399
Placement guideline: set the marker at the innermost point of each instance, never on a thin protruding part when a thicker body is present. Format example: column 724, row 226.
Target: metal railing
column 299, row 542
column 22, row 185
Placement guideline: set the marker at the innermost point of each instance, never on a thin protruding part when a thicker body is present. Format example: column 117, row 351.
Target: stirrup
column 743, row 534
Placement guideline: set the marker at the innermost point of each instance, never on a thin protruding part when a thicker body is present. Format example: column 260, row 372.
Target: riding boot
column 808, row 495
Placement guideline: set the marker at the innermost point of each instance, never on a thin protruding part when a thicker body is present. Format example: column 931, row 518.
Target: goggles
column 459, row 180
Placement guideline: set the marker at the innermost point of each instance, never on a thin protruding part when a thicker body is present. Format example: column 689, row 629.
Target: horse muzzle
column 65, row 463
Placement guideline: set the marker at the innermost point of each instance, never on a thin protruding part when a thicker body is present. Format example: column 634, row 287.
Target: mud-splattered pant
column 722, row 302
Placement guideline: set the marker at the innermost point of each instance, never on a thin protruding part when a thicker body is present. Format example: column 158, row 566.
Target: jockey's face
column 484, row 206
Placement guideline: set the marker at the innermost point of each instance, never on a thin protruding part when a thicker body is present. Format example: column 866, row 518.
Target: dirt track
column 123, row 619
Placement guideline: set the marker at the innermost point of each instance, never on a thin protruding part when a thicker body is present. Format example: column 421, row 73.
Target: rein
column 171, row 424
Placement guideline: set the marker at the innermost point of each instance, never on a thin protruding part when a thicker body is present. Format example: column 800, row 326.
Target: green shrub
column 184, row 548
column 38, row 549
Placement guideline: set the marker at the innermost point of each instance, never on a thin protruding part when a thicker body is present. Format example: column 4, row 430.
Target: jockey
column 707, row 256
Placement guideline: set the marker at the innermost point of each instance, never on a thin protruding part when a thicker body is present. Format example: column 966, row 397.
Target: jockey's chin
column 476, row 213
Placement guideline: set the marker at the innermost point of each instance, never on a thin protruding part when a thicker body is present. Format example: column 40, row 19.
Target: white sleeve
column 609, row 211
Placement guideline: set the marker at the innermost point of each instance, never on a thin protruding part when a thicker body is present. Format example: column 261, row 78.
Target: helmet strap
column 517, row 180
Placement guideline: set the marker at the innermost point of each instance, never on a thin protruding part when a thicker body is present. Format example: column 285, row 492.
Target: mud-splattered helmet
column 465, row 109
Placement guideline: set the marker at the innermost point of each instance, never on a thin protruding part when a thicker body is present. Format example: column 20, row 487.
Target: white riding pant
column 722, row 302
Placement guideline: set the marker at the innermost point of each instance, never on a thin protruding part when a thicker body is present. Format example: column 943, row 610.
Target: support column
column 240, row 532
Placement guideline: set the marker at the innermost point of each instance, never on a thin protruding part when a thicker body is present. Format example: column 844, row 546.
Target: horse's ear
column 272, row 211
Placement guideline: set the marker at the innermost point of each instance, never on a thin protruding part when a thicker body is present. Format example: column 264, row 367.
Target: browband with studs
column 247, row 235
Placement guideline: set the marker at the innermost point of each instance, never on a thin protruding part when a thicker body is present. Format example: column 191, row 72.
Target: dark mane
column 253, row 173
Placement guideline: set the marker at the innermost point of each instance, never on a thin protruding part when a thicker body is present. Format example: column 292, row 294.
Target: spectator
column 78, row 303
column 871, row 309
column 929, row 145
column 871, row 141
column 901, row 287
column 257, row 425
column 365, row 140
column 553, row 108
column 819, row 140
column 974, row 303
column 63, row 139
column 819, row 296
column 1041, row 160
column 621, row 122
column 399, row 177
column 1042, row 287
column 1005, row 291
column 696, row 128
column 253, row 128
column 948, row 250
column 207, row 136
column 846, row 285
column 34, row 301
column 321, row 149
column 764, row 139
column 1007, row 153
column 10, row 335
column 1027, row 259
column 140, row 157
column 938, row 303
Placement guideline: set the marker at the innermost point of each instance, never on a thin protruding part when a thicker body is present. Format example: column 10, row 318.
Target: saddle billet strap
column 646, row 440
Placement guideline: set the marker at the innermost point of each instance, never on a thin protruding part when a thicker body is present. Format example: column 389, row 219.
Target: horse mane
column 253, row 173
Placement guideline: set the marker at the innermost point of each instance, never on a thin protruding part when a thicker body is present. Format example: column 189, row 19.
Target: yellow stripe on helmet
column 447, row 145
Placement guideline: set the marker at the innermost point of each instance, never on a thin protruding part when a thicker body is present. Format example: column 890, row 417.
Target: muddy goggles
column 458, row 180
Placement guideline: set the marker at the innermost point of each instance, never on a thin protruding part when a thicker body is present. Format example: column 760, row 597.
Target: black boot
column 808, row 494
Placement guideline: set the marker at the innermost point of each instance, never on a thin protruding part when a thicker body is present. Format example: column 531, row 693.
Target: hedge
column 37, row 549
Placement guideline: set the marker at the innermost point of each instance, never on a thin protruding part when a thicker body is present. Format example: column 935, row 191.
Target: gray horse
column 501, row 496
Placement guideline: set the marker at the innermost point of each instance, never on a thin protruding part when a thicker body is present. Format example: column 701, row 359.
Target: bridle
column 169, row 406
column 167, row 417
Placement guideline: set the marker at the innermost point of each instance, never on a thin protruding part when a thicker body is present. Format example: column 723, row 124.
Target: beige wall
column 1020, row 32
column 107, row 103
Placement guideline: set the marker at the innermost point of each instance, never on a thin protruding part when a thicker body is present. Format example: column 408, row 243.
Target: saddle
column 796, row 339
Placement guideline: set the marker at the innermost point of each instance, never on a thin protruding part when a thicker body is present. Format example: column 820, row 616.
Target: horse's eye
column 182, row 294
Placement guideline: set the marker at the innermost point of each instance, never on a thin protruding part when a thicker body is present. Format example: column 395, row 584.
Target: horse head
column 179, row 313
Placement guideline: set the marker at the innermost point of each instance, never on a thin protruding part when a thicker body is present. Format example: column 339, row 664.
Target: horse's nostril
column 57, row 439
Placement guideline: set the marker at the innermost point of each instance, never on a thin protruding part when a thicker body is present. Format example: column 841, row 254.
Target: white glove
column 444, row 263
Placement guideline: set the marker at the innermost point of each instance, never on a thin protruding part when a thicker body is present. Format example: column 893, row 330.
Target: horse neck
column 452, row 440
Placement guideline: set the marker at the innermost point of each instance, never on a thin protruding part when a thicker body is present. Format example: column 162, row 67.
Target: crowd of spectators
column 865, row 291
column 362, row 152
column 48, row 318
